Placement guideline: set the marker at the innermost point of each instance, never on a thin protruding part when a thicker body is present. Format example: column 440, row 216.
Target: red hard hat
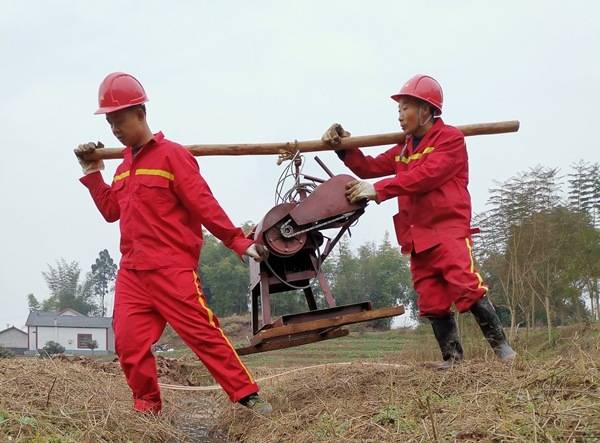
column 119, row 91
column 424, row 88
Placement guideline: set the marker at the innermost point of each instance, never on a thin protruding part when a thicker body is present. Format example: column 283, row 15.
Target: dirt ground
column 369, row 387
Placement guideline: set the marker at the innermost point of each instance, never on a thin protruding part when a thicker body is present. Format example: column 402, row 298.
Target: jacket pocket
column 154, row 190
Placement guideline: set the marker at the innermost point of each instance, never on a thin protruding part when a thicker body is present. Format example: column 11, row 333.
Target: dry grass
column 50, row 401
column 552, row 393
column 478, row 401
column 553, row 398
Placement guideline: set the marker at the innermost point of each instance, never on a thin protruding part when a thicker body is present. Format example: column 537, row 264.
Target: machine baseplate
column 313, row 326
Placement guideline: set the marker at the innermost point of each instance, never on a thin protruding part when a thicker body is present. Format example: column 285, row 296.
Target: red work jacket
column 430, row 183
column 162, row 202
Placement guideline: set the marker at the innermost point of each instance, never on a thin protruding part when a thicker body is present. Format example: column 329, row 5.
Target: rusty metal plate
column 326, row 201
column 324, row 324
column 291, row 341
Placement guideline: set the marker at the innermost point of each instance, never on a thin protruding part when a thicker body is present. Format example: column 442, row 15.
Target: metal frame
column 300, row 267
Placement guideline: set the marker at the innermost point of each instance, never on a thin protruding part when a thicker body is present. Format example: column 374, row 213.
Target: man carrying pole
column 429, row 178
column 162, row 202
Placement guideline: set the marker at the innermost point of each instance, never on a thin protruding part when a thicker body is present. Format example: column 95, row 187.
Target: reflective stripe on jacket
column 162, row 202
column 430, row 183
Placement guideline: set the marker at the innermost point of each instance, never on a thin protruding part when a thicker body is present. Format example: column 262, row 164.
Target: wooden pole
column 362, row 141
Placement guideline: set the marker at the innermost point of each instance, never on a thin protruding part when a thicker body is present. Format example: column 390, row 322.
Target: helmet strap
column 430, row 118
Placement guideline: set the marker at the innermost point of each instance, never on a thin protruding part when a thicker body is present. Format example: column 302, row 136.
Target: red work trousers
column 144, row 302
column 445, row 275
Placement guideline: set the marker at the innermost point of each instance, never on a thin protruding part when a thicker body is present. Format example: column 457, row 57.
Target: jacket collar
column 425, row 141
column 156, row 138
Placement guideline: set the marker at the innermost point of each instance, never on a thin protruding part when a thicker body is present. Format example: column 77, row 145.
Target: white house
column 72, row 330
column 14, row 339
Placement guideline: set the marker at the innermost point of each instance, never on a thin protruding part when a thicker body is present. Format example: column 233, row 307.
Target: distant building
column 14, row 339
column 71, row 329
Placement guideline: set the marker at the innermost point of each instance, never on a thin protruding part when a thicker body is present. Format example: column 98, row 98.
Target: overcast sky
column 219, row 72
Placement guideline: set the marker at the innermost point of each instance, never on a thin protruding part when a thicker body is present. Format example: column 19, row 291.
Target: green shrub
column 52, row 348
column 6, row 353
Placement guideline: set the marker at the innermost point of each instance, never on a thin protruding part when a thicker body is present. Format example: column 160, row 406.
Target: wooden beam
column 363, row 141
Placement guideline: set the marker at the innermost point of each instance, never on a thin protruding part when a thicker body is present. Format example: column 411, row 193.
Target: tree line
column 540, row 246
column 375, row 272
column 68, row 289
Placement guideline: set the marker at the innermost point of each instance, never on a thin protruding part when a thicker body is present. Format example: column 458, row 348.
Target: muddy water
column 194, row 420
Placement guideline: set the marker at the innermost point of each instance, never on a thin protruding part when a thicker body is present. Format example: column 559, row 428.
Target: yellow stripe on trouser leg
column 472, row 265
column 211, row 321
column 213, row 324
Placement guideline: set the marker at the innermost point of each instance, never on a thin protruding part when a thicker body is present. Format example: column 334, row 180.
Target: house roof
column 16, row 329
column 41, row 318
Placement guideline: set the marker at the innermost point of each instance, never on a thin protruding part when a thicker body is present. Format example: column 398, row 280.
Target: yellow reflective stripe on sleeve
column 416, row 156
column 120, row 176
column 211, row 321
column 159, row 172
column 472, row 266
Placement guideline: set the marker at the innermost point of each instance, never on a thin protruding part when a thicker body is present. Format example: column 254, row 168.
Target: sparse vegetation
column 376, row 389
column 6, row 353
column 52, row 348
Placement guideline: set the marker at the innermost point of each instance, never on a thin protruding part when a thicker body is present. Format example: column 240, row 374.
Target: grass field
column 368, row 346
column 370, row 386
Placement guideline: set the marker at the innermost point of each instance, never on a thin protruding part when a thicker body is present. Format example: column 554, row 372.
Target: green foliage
column 28, row 421
column 32, row 302
column 389, row 415
column 330, row 426
column 290, row 302
column 104, row 272
column 540, row 252
column 52, row 348
column 224, row 277
column 6, row 353
column 584, row 190
column 66, row 290
column 377, row 273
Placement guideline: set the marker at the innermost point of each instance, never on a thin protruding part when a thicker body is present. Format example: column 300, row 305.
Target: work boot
column 257, row 404
column 446, row 333
column 490, row 325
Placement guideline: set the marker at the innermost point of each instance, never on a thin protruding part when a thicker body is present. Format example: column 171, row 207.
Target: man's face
column 408, row 109
column 126, row 124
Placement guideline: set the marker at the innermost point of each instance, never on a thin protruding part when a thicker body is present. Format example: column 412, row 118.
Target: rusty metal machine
column 293, row 232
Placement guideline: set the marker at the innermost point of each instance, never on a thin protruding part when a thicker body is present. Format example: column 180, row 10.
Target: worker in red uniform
column 162, row 202
column 428, row 174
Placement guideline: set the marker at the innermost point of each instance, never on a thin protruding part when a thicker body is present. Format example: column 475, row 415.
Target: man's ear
column 426, row 110
column 141, row 114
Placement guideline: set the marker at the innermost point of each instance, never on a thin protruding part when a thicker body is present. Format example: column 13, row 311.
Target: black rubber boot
column 490, row 325
column 446, row 333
